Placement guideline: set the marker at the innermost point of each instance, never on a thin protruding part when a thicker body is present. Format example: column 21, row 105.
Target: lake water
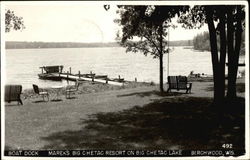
column 22, row 65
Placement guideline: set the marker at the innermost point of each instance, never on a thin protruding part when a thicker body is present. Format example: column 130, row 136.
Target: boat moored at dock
column 51, row 73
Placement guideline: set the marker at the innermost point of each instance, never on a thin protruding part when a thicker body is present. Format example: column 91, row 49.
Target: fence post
column 68, row 77
column 79, row 74
column 69, row 70
column 135, row 79
column 107, row 80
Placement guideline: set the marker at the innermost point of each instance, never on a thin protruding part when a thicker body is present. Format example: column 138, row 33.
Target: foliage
column 141, row 27
column 201, row 42
column 197, row 15
column 196, row 18
column 144, row 29
column 13, row 22
column 242, row 48
column 225, row 24
column 181, row 43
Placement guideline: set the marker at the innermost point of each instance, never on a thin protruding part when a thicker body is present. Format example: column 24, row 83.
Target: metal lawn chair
column 70, row 89
column 40, row 92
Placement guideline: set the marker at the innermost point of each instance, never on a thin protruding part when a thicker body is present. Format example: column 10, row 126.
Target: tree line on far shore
column 201, row 42
column 26, row 45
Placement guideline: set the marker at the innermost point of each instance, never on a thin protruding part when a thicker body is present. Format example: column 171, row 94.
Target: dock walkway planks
column 73, row 77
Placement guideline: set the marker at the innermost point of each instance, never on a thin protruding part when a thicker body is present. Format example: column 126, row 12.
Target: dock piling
column 69, row 70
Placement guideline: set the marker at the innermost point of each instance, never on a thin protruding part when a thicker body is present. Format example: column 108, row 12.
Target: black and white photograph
column 124, row 79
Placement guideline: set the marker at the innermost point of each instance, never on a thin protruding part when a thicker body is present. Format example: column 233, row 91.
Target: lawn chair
column 71, row 89
column 12, row 93
column 41, row 93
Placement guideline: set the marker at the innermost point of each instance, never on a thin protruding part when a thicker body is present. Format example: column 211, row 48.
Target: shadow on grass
column 158, row 93
column 71, row 98
column 56, row 100
column 240, row 87
column 12, row 104
column 40, row 101
column 177, row 123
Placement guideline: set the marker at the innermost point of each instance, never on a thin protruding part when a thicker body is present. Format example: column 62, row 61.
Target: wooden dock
column 68, row 76
column 56, row 73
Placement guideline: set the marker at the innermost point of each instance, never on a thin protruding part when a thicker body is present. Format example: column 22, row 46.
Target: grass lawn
column 129, row 118
column 179, row 123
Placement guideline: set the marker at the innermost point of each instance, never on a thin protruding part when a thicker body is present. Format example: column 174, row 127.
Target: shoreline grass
column 88, row 87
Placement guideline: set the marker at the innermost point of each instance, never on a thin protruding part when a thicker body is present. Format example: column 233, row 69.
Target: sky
column 84, row 22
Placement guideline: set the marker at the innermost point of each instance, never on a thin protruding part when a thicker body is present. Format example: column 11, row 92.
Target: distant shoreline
column 63, row 47
column 42, row 45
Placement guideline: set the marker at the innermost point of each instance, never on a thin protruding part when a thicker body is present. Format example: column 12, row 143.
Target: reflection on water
column 22, row 65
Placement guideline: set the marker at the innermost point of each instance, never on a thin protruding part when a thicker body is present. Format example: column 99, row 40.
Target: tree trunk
column 222, row 60
column 235, row 57
column 231, row 87
column 214, row 54
column 238, row 37
column 161, row 59
column 161, row 73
